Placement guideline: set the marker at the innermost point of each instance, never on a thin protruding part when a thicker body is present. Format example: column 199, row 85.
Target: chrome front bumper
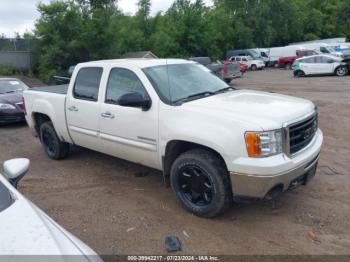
column 260, row 186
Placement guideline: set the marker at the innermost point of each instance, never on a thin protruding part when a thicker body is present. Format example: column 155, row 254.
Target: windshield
column 331, row 50
column 11, row 85
column 5, row 197
column 180, row 81
column 254, row 54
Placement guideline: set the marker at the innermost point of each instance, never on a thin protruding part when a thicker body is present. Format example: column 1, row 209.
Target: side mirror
column 15, row 169
column 135, row 100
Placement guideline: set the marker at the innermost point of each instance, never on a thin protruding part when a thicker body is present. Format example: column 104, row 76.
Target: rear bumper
column 234, row 76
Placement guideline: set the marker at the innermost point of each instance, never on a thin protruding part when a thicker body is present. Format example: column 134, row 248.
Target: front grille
column 302, row 133
column 11, row 119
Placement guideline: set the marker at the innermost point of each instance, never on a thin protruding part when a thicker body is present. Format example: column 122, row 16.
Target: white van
column 322, row 48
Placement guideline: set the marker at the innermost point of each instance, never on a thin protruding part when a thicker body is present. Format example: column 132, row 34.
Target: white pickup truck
column 214, row 143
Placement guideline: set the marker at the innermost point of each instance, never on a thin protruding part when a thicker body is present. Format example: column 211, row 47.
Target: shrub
column 6, row 70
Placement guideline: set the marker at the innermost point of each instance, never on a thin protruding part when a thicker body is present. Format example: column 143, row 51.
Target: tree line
column 73, row 31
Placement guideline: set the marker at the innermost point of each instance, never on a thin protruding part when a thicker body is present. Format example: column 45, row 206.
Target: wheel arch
column 39, row 119
column 346, row 68
column 175, row 148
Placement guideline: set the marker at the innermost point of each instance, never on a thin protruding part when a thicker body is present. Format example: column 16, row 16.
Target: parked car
column 321, row 48
column 346, row 61
column 11, row 104
column 320, row 65
column 214, row 144
column 253, row 64
column 63, row 80
column 344, row 48
column 225, row 71
column 287, row 61
column 244, row 68
column 27, row 230
column 254, row 53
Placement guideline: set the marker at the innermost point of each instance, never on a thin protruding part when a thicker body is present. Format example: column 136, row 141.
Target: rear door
column 308, row 65
column 82, row 108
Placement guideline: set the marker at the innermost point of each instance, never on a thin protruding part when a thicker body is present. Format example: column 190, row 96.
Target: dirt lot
column 121, row 208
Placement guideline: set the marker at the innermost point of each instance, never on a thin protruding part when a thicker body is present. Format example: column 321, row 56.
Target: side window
column 327, row 60
column 122, row 81
column 244, row 59
column 318, row 59
column 309, row 60
column 87, row 83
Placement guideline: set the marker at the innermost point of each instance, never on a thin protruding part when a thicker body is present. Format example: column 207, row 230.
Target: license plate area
column 304, row 179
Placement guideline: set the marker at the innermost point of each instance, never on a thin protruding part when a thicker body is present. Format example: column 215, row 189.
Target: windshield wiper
column 224, row 90
column 13, row 91
column 194, row 96
column 203, row 94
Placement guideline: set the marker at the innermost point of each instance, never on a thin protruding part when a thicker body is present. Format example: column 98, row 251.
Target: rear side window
column 87, row 83
column 318, row 59
column 309, row 60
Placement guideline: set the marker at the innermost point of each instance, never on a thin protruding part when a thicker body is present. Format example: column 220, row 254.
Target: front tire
column 299, row 73
column 201, row 183
column 341, row 71
column 54, row 148
column 254, row 67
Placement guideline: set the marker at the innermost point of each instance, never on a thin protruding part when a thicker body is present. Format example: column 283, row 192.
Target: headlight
column 6, row 106
column 264, row 144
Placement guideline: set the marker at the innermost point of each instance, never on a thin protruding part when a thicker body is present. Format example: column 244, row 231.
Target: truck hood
column 11, row 98
column 268, row 111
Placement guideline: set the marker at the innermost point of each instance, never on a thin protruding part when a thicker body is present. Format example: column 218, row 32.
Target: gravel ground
column 117, row 207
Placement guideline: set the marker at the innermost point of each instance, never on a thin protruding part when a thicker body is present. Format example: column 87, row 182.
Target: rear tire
column 54, row 148
column 288, row 66
column 341, row 71
column 254, row 67
column 201, row 183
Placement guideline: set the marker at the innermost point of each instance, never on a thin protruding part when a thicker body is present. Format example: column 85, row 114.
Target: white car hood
column 268, row 111
column 26, row 230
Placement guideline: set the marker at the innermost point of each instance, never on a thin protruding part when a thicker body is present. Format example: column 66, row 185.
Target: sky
column 20, row 15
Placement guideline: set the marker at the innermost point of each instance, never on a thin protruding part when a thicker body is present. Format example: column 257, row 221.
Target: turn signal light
column 253, row 144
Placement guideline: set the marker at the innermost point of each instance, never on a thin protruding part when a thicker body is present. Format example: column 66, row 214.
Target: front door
column 82, row 108
column 128, row 132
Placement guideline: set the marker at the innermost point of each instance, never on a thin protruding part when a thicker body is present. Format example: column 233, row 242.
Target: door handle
column 107, row 115
column 73, row 108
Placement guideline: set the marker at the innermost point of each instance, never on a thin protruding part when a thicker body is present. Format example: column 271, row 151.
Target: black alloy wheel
column 195, row 185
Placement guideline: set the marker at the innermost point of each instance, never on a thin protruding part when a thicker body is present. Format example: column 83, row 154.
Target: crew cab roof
column 139, row 62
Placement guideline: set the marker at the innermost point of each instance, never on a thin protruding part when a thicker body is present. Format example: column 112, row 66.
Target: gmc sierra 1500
column 215, row 144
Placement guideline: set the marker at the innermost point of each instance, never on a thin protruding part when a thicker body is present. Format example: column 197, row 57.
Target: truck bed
column 59, row 89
